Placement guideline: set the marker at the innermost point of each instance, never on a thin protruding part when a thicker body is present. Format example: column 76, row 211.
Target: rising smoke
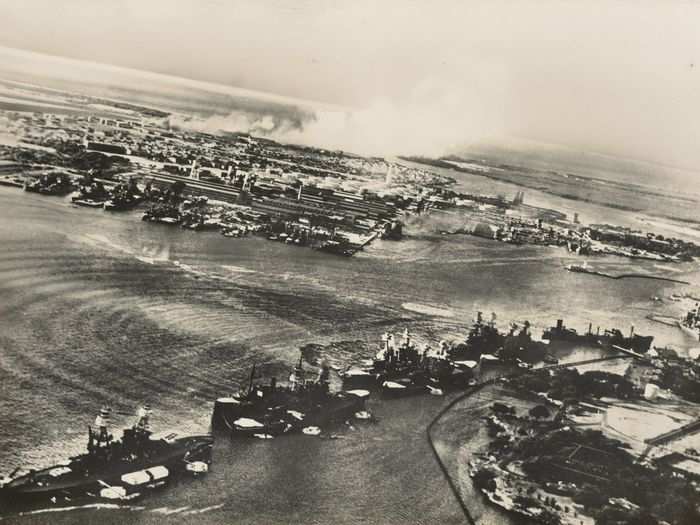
column 432, row 119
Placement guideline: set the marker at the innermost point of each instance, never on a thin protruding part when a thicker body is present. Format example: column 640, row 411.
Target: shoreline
column 443, row 164
column 465, row 395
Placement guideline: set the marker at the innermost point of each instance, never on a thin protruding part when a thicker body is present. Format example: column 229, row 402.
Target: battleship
column 303, row 405
column 112, row 469
column 402, row 370
column 519, row 347
column 483, row 339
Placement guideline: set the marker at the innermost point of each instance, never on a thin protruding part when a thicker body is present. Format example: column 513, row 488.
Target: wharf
column 345, row 206
column 672, row 435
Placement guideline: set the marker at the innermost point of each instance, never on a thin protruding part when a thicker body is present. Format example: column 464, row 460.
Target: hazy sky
column 616, row 77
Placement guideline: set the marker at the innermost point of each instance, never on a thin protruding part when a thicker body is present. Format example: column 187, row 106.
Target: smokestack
column 631, row 331
column 560, row 325
column 590, row 328
column 299, row 193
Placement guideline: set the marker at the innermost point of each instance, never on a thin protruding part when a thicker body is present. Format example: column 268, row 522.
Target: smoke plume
column 432, row 119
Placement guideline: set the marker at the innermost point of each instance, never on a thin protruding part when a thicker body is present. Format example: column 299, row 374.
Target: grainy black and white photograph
column 329, row 262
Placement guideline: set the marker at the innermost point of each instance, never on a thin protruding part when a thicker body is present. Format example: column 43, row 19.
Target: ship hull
column 294, row 411
column 77, row 481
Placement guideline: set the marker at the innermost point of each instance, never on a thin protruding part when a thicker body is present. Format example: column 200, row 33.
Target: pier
column 672, row 435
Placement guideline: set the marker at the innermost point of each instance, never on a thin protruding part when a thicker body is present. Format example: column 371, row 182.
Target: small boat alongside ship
column 111, row 469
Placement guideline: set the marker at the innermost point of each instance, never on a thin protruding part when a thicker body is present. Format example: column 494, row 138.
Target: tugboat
column 112, row 469
column 271, row 410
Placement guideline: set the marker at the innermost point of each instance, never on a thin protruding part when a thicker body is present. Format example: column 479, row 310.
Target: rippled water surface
column 97, row 308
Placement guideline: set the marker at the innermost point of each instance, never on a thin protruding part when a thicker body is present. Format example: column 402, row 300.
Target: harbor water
column 104, row 309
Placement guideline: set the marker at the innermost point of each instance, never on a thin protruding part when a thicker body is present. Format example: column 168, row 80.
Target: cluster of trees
column 569, row 385
column 649, row 241
column 29, row 156
column 677, row 378
column 602, row 470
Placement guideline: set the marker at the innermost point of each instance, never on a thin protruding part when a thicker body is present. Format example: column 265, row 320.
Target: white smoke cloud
column 236, row 121
column 432, row 119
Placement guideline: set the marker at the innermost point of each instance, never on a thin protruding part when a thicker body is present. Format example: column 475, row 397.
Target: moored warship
column 91, row 193
column 634, row 342
column 521, row 348
column 111, row 469
column 483, row 339
column 270, row 410
column 609, row 337
column 401, row 369
column 124, row 196
column 50, row 184
column 562, row 333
